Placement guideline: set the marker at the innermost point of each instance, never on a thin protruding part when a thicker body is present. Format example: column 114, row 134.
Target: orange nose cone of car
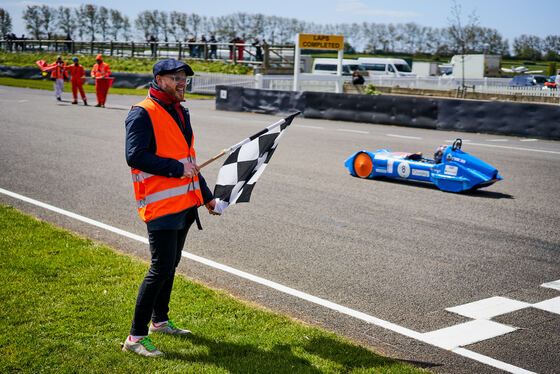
column 363, row 165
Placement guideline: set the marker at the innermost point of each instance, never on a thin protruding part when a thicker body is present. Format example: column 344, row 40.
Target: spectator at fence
column 202, row 46
column 152, row 40
column 240, row 49
column 231, row 49
column 213, row 48
column 357, row 78
column 101, row 72
column 59, row 75
column 192, row 47
column 68, row 43
column 21, row 43
column 258, row 49
column 78, row 78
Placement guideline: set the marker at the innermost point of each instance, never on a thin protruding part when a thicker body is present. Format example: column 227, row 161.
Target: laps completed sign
column 311, row 41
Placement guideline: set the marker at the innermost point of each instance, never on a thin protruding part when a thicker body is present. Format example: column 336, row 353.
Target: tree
column 178, row 25
column 48, row 18
column 66, row 20
column 163, row 21
column 257, row 25
column 194, row 22
column 126, row 28
column 462, row 35
column 116, row 23
column 528, row 46
column 87, row 14
column 33, row 21
column 103, row 22
column 5, row 23
column 143, row 23
column 551, row 46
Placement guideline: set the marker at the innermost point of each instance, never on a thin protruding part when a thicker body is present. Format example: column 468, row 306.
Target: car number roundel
column 403, row 170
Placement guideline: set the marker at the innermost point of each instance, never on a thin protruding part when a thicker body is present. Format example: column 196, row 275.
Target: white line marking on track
column 516, row 148
column 528, row 140
column 311, row 127
column 488, row 308
column 466, row 333
column 404, row 136
column 490, row 361
column 353, row 131
column 550, row 305
column 554, row 285
column 279, row 287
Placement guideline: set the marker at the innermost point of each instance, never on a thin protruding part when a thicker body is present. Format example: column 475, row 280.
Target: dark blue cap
column 171, row 66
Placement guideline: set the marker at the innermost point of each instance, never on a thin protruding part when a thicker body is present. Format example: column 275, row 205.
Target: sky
column 511, row 18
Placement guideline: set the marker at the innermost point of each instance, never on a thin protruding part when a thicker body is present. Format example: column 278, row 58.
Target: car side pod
column 449, row 183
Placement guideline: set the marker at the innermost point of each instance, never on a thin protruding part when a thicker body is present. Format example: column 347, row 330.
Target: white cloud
column 359, row 8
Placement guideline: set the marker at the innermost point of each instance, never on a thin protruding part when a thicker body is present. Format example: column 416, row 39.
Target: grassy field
column 122, row 64
column 67, row 304
column 88, row 88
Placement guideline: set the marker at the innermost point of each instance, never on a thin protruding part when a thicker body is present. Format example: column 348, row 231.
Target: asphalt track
column 378, row 261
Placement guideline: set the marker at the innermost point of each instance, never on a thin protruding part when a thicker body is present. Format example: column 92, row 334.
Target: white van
column 386, row 66
column 329, row 66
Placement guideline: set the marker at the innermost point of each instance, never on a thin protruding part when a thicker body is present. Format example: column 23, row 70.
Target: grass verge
column 122, row 64
column 67, row 303
column 88, row 88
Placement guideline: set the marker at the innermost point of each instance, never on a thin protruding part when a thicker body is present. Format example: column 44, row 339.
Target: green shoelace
column 147, row 343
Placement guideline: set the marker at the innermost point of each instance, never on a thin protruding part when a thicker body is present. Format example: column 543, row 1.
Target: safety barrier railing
column 206, row 82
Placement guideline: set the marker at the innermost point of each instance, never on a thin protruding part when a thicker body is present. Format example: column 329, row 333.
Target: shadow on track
column 430, row 186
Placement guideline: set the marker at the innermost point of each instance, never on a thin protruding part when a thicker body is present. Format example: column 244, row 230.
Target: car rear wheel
column 363, row 165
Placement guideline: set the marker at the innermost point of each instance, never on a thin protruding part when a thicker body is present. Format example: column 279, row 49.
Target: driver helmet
column 439, row 153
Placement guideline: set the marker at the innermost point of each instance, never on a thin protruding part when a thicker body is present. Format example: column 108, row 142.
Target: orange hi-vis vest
column 59, row 72
column 157, row 196
column 100, row 71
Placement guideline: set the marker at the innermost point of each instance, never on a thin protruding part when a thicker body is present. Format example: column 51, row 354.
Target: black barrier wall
column 490, row 117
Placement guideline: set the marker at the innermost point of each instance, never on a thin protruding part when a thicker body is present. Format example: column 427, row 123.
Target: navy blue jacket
column 141, row 155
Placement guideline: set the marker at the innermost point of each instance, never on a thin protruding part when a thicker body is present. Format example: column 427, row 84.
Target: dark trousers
column 153, row 297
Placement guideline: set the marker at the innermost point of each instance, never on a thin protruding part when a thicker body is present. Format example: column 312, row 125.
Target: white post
column 259, row 81
column 339, row 71
column 296, row 65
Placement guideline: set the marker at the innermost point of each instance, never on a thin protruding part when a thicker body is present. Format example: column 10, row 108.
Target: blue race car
column 451, row 169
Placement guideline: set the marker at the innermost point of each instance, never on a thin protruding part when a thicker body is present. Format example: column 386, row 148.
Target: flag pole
column 213, row 158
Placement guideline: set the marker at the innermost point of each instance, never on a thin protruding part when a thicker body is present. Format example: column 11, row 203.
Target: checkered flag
column 242, row 168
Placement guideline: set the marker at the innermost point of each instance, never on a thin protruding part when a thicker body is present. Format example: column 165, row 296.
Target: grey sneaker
column 169, row 328
column 143, row 347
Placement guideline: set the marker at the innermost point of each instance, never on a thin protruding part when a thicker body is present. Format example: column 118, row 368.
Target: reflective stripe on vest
column 100, row 71
column 140, row 176
column 157, row 195
column 58, row 72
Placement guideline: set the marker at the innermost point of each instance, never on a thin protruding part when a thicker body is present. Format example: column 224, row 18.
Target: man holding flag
column 168, row 189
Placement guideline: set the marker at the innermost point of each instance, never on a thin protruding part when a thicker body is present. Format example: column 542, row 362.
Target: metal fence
column 205, row 83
